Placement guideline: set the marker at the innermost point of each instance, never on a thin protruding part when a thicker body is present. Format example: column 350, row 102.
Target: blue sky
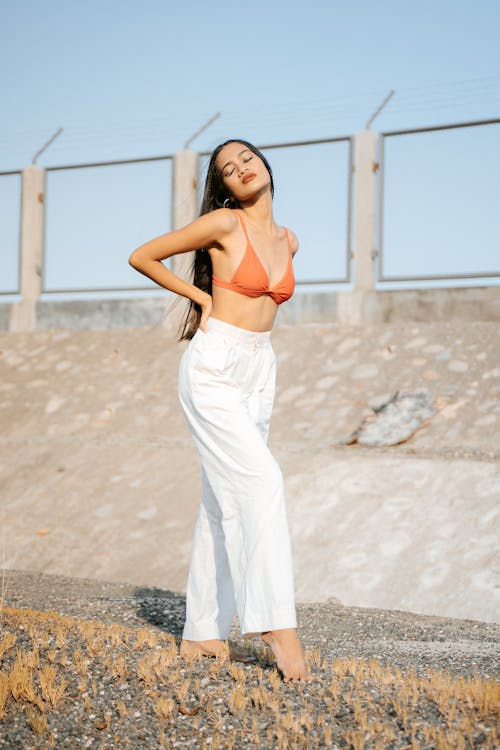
column 128, row 79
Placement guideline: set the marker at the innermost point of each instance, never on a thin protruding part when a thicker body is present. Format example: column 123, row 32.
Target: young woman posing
column 241, row 558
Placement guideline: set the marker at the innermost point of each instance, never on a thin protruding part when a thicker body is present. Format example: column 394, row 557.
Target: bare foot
column 205, row 648
column 213, row 648
column 288, row 653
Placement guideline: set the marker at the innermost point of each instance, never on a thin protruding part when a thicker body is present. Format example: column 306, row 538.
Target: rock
column 394, row 421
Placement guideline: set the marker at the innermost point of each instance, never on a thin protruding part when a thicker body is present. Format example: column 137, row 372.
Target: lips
column 248, row 177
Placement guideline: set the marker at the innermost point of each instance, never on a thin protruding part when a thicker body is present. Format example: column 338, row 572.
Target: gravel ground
column 116, row 648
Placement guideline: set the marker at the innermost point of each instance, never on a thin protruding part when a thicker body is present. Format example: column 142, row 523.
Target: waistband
column 245, row 336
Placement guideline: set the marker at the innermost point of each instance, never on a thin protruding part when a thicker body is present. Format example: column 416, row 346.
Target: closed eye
column 228, row 174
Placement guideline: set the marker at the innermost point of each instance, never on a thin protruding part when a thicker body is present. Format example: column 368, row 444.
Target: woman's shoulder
column 224, row 219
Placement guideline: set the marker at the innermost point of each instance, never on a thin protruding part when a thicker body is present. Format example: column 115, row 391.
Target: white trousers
column 241, row 557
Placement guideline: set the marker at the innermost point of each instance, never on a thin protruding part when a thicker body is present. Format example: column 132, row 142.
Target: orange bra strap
column 244, row 228
column 248, row 238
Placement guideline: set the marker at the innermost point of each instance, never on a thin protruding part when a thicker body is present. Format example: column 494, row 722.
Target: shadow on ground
column 162, row 608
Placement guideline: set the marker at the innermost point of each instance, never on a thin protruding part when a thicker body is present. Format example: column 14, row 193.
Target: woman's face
column 243, row 172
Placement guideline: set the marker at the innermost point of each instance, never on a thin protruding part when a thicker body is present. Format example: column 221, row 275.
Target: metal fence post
column 23, row 313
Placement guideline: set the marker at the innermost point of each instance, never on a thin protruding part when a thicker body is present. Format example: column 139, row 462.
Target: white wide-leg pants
column 241, row 557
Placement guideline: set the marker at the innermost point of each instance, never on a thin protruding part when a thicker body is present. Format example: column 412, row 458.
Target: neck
column 259, row 211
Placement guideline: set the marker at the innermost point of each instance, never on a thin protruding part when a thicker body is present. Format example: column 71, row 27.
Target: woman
column 241, row 559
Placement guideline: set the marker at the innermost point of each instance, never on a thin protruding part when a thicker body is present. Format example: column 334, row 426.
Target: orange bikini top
column 251, row 279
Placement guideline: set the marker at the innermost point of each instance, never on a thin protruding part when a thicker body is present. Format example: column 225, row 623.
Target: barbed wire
column 479, row 92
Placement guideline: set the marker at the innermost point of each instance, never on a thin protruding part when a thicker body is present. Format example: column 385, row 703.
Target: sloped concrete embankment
column 100, row 478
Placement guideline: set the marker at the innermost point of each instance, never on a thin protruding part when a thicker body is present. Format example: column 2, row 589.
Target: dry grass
column 4, row 584
column 60, row 675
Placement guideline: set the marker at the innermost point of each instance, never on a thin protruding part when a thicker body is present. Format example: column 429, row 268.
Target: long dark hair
column 216, row 195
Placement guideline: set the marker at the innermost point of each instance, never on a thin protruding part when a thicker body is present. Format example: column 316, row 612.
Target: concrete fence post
column 184, row 201
column 365, row 167
column 184, row 210
column 23, row 313
column 353, row 305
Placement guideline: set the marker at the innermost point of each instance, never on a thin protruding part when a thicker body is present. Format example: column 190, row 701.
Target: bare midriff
column 254, row 313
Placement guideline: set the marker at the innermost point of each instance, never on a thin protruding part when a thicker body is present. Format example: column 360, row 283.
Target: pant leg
column 229, row 424
column 210, row 604
column 260, row 406
column 261, row 399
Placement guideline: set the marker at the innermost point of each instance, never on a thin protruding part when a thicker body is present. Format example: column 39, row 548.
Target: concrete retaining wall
column 350, row 307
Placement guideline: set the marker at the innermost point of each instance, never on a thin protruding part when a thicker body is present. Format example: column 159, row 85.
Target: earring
column 227, row 199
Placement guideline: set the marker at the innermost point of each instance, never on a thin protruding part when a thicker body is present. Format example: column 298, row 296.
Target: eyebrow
column 239, row 154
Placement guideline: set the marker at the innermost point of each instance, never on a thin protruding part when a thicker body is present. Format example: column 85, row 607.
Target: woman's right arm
column 207, row 230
